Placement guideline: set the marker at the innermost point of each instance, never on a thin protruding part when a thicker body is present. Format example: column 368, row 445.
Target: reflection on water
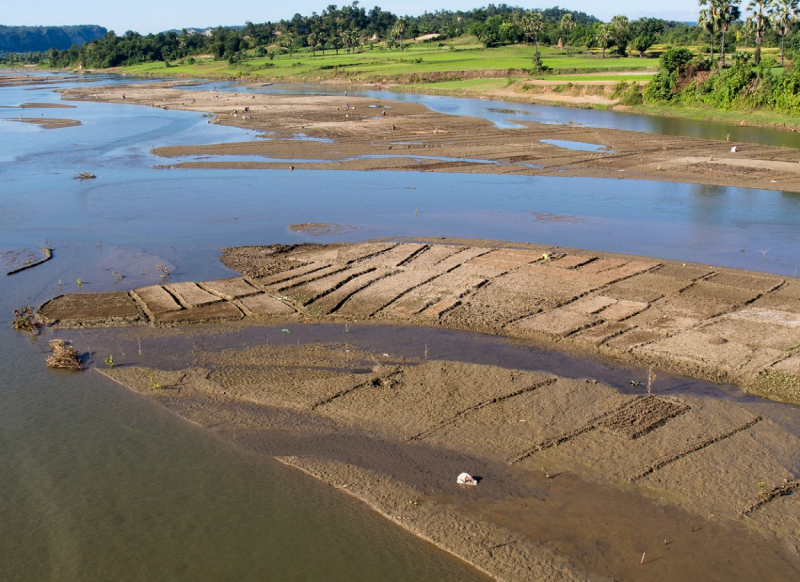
column 100, row 484
column 499, row 113
column 577, row 145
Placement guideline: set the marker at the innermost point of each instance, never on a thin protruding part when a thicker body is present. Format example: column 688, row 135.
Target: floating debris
column 85, row 176
column 64, row 356
column 25, row 320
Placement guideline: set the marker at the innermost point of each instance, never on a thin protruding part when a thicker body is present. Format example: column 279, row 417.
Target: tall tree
column 784, row 16
column 708, row 22
column 566, row 25
column 620, row 26
column 722, row 14
column 603, row 37
column 533, row 25
column 759, row 21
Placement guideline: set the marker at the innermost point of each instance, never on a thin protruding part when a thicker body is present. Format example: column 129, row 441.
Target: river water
column 98, row 484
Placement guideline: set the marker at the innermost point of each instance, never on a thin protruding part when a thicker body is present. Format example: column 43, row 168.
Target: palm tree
column 567, row 24
column 721, row 13
column 533, row 25
column 708, row 22
column 784, row 15
column 728, row 13
column 603, row 36
column 537, row 27
column 619, row 31
column 758, row 21
column 313, row 39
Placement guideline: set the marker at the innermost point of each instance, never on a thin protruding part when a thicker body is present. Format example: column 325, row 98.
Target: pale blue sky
column 157, row 15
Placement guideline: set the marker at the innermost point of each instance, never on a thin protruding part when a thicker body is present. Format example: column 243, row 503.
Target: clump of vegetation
column 777, row 385
column 109, row 361
column 64, row 356
column 25, row 320
column 628, row 93
column 165, row 272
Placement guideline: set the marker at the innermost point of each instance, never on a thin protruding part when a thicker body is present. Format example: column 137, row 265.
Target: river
column 100, row 484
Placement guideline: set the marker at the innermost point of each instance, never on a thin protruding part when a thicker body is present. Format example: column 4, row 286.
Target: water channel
column 98, row 484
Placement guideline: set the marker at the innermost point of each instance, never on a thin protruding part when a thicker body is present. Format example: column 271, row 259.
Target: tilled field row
column 715, row 323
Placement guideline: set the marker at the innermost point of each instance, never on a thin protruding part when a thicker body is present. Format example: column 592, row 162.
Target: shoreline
column 355, row 133
column 717, row 324
column 551, row 99
column 349, row 426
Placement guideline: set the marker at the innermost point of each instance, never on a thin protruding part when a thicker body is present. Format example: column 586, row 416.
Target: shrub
column 674, row 59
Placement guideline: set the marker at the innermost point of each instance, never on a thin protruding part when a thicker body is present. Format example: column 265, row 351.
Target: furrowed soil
column 577, row 479
column 712, row 323
column 371, row 134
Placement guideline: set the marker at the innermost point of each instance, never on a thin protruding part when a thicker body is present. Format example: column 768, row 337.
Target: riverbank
column 352, row 133
column 717, row 324
column 576, row 479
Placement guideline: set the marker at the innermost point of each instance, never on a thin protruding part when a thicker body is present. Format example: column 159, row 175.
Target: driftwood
column 85, row 176
column 63, row 356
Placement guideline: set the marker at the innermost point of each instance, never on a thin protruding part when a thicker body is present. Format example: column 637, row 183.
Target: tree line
column 352, row 27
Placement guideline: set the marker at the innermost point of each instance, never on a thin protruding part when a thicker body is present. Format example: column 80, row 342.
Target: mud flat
column 717, row 324
column 353, row 133
column 577, row 481
column 48, row 122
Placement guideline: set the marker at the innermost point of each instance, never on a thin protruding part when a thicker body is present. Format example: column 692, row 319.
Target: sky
column 146, row 16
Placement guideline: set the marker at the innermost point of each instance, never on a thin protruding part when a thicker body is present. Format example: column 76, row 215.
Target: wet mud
column 354, row 133
column 716, row 324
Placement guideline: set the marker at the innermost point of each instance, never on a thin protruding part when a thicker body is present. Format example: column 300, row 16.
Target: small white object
column 466, row 479
column 733, row 150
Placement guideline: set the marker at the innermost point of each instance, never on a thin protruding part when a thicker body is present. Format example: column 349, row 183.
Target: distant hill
column 25, row 39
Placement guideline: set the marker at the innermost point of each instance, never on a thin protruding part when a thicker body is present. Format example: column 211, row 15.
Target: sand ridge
column 718, row 324
column 355, row 133
column 396, row 434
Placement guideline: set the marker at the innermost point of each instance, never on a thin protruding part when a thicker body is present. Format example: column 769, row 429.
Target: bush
column 538, row 65
column 661, row 88
column 632, row 96
column 674, row 59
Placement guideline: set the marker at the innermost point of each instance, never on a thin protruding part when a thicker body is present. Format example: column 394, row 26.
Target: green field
column 427, row 61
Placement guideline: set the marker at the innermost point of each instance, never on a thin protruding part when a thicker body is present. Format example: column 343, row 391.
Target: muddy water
column 508, row 115
column 602, row 529
column 99, row 484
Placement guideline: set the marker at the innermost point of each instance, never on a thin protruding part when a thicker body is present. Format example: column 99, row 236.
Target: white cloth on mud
column 466, row 479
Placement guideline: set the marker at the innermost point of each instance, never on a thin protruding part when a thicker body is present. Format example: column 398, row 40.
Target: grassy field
column 463, row 67
column 426, row 61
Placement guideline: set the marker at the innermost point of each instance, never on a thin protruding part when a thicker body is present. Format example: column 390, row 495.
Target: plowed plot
column 643, row 416
column 383, row 292
column 719, row 324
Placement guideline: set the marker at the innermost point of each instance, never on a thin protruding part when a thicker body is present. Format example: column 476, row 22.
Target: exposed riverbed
column 183, row 502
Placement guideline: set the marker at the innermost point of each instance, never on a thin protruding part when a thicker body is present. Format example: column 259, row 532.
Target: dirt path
column 370, row 134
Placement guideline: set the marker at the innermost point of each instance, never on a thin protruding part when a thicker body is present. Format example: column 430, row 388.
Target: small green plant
column 80, row 283
column 156, row 386
column 109, row 361
column 59, row 282
column 762, row 488
column 25, row 320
